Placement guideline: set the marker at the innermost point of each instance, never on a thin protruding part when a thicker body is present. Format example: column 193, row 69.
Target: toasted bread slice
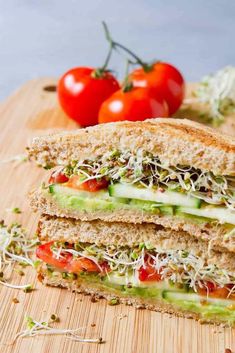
column 174, row 141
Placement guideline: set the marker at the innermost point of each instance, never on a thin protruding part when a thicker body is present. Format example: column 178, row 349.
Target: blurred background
column 47, row 37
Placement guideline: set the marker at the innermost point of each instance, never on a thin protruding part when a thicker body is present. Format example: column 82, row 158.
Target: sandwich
column 141, row 213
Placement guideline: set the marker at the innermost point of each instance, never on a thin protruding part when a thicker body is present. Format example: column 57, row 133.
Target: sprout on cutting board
column 36, row 328
column 15, row 248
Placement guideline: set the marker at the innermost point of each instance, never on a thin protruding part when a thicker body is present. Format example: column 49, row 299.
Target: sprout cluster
column 143, row 169
column 177, row 266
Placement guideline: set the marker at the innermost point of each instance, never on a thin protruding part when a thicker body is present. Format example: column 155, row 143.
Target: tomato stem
column 127, row 84
column 99, row 72
column 104, row 67
column 114, row 45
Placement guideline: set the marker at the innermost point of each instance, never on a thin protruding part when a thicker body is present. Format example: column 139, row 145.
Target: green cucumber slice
column 167, row 197
column 179, row 296
column 222, row 214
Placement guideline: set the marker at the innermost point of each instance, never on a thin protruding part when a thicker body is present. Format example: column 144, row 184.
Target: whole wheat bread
column 174, row 141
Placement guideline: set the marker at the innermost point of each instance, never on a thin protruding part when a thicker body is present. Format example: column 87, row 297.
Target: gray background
column 47, row 37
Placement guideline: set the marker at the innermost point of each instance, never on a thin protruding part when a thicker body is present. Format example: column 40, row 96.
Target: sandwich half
column 143, row 212
column 143, row 265
column 170, row 172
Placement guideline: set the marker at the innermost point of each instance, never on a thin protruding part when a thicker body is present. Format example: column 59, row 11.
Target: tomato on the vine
column 135, row 104
column 82, row 90
column 161, row 78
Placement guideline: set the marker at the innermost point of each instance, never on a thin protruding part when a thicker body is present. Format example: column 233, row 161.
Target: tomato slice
column 149, row 274
column 44, row 253
column 212, row 290
column 66, row 262
column 58, row 177
column 82, row 264
column 91, row 185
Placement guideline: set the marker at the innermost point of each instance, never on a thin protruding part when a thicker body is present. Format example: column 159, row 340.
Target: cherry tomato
column 45, row 253
column 162, row 79
column 81, row 93
column 66, row 262
column 149, row 274
column 58, row 177
column 136, row 104
column 92, row 185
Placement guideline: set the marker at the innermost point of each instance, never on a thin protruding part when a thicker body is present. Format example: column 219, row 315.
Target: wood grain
column 32, row 111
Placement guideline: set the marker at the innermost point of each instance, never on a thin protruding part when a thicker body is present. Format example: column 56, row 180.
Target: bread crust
column 138, row 303
column 174, row 141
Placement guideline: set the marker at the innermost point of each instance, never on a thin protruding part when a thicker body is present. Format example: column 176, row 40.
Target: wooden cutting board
column 31, row 111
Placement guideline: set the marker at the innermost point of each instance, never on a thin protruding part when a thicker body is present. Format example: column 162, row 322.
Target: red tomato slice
column 44, row 253
column 105, row 266
column 66, row 262
column 213, row 291
column 58, row 177
column 82, row 264
column 92, row 185
column 149, row 274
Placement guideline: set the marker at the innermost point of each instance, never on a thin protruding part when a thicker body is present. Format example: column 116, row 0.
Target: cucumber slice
column 166, row 197
column 222, row 214
column 179, row 296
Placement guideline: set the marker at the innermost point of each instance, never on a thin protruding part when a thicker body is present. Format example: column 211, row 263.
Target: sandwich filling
column 172, row 276
column 123, row 180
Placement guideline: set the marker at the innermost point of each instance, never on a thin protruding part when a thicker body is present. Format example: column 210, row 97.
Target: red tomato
column 58, row 177
column 149, row 274
column 163, row 79
column 136, row 104
column 213, row 291
column 44, row 253
column 92, row 185
column 81, row 94
column 66, row 262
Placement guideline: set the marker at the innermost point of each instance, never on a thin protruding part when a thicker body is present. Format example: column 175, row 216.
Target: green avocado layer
column 72, row 199
column 181, row 298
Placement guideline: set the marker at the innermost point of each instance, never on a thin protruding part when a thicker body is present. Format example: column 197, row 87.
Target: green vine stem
column 114, row 45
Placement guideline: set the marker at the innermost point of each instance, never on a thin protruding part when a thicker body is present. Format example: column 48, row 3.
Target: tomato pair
column 89, row 98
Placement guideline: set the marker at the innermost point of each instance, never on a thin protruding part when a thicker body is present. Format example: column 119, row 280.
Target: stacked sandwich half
column 141, row 213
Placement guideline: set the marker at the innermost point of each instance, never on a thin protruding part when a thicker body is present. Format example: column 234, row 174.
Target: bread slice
column 174, row 141
column 112, row 295
column 128, row 234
